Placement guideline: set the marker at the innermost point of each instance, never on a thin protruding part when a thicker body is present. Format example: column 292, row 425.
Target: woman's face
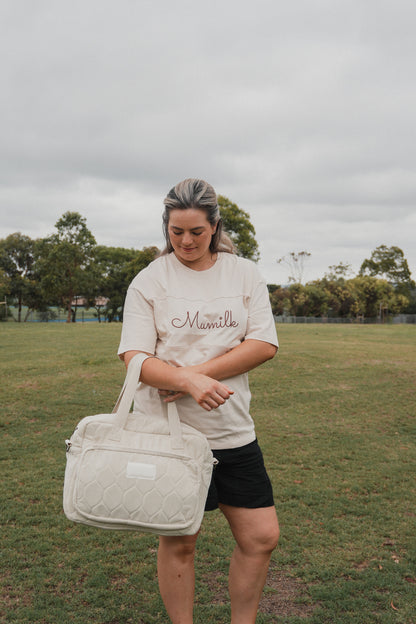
column 190, row 233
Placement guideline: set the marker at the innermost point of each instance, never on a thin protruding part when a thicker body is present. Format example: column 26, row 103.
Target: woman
column 205, row 314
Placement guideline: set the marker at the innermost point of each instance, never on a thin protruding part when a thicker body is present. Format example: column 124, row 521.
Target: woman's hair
column 194, row 193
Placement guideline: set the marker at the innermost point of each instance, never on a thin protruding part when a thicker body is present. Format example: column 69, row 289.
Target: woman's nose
column 187, row 238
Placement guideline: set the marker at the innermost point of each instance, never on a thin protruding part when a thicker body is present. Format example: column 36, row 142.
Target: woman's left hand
column 170, row 395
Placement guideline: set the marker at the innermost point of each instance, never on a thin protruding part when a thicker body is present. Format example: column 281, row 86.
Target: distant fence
column 56, row 315
column 404, row 318
column 400, row 318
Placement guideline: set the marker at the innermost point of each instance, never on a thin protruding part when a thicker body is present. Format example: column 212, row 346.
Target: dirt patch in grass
column 283, row 595
column 10, row 598
column 28, row 385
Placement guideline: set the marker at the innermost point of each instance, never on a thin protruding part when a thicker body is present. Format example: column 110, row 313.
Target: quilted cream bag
column 125, row 471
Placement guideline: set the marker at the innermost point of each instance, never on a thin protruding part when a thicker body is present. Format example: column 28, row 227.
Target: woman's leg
column 256, row 532
column 175, row 567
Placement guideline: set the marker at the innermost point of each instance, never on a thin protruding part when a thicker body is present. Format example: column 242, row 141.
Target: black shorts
column 240, row 479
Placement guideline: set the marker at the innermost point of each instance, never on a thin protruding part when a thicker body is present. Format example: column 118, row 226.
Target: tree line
column 382, row 287
column 39, row 274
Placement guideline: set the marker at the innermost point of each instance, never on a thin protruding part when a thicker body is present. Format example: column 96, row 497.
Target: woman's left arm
column 242, row 358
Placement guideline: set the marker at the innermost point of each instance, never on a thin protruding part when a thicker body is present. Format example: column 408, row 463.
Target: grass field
column 335, row 415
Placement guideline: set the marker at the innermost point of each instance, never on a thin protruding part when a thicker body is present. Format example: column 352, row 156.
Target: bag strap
column 175, row 427
column 126, row 396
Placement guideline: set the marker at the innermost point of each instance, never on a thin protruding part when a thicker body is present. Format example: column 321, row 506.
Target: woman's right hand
column 207, row 392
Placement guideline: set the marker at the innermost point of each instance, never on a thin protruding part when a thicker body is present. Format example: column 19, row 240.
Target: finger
column 173, row 397
column 223, row 394
column 213, row 401
column 206, row 407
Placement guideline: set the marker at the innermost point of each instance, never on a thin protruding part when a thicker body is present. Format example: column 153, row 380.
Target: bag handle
column 126, row 396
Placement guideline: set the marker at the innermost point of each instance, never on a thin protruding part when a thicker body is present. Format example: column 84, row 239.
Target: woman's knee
column 179, row 547
column 266, row 538
column 261, row 539
column 274, row 537
column 256, row 531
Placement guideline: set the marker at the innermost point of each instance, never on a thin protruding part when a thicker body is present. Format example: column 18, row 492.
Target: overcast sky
column 302, row 112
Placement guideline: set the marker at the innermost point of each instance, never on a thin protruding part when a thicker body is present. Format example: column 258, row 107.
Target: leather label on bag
column 137, row 470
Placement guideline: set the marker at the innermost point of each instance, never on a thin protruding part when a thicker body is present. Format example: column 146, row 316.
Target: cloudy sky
column 301, row 112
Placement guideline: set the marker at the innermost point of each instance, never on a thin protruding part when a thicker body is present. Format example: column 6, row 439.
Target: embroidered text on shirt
column 223, row 321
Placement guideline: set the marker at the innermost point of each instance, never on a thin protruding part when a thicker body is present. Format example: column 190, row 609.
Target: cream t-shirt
column 187, row 317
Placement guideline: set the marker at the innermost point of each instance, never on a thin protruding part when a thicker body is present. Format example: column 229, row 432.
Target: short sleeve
column 260, row 322
column 139, row 331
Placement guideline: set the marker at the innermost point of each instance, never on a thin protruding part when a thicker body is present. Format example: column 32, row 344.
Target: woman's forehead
column 188, row 218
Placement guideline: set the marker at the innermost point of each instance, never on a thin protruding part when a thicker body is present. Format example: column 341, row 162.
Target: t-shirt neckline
column 194, row 271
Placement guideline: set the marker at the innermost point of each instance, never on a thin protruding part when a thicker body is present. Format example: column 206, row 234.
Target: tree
column 237, row 224
column 390, row 264
column 4, row 284
column 17, row 260
column 140, row 260
column 66, row 261
column 375, row 297
column 340, row 296
column 117, row 266
column 338, row 271
column 280, row 301
column 296, row 264
column 299, row 300
column 272, row 287
column 4, row 290
column 363, row 295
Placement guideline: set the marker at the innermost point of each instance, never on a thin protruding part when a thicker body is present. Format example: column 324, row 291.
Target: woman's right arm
column 207, row 392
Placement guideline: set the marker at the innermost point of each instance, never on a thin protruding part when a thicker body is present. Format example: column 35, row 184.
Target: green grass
column 335, row 414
